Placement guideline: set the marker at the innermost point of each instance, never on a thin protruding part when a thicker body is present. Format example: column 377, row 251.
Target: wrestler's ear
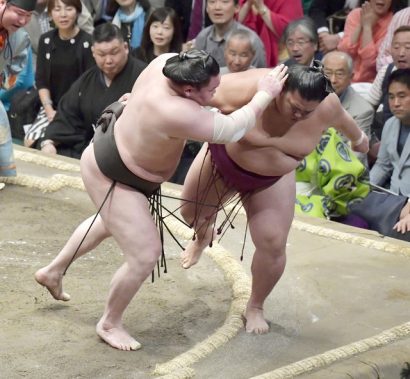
column 188, row 90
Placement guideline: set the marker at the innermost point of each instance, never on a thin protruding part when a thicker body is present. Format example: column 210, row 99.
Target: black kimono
column 79, row 109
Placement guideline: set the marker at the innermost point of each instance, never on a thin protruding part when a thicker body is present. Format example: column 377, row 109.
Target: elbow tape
column 232, row 128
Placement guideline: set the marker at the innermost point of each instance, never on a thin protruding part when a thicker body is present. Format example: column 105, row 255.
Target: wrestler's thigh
column 200, row 185
column 270, row 213
column 96, row 184
column 126, row 211
column 128, row 218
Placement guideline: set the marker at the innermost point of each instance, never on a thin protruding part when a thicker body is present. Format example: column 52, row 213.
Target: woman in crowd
column 130, row 17
column 162, row 34
column 364, row 31
column 64, row 53
column 269, row 18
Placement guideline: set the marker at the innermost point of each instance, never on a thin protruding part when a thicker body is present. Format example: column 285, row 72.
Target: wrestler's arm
column 203, row 125
column 237, row 89
column 341, row 120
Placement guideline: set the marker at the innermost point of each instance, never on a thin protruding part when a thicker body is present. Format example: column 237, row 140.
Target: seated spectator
column 25, row 80
column 40, row 23
column 325, row 13
column 364, row 31
column 79, row 109
column 269, row 18
column 239, row 52
column 162, row 34
column 130, row 17
column 388, row 212
column 384, row 57
column 338, row 67
column 64, row 53
column 378, row 94
column 301, row 41
column 213, row 38
column 392, row 167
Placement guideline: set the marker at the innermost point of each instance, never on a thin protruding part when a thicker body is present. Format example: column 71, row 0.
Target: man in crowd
column 301, row 41
column 212, row 39
column 392, row 167
column 239, row 51
column 338, row 67
column 78, row 110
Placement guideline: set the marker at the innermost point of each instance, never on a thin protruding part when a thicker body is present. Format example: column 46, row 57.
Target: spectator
column 323, row 13
column 301, row 41
column 162, row 34
column 338, row 67
column 239, row 52
column 15, row 14
column 213, row 38
column 40, row 23
column 384, row 56
column 378, row 94
column 25, row 80
column 64, row 53
column 130, row 17
column 364, row 30
column 392, row 167
column 115, row 73
column 268, row 18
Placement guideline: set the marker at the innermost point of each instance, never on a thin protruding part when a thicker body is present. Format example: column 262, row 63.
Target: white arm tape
column 232, row 127
column 359, row 140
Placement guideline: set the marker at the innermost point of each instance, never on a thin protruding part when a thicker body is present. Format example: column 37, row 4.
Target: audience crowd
column 83, row 55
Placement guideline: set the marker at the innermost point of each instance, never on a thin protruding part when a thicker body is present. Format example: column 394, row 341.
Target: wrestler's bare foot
column 53, row 282
column 191, row 254
column 117, row 337
column 255, row 322
column 193, row 251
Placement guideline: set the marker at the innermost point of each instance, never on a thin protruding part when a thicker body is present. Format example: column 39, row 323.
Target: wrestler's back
column 141, row 133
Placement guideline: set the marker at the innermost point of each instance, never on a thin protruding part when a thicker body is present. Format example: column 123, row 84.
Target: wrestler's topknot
column 194, row 67
column 310, row 81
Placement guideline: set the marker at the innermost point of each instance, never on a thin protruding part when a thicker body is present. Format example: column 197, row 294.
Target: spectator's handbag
column 381, row 210
column 24, row 107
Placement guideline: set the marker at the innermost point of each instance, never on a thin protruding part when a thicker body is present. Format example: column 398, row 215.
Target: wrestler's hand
column 273, row 82
column 363, row 146
column 124, row 98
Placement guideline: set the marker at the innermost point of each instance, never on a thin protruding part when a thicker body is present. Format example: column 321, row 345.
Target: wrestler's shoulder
column 329, row 107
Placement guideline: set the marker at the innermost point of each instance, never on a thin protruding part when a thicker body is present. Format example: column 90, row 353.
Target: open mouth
column 402, row 64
